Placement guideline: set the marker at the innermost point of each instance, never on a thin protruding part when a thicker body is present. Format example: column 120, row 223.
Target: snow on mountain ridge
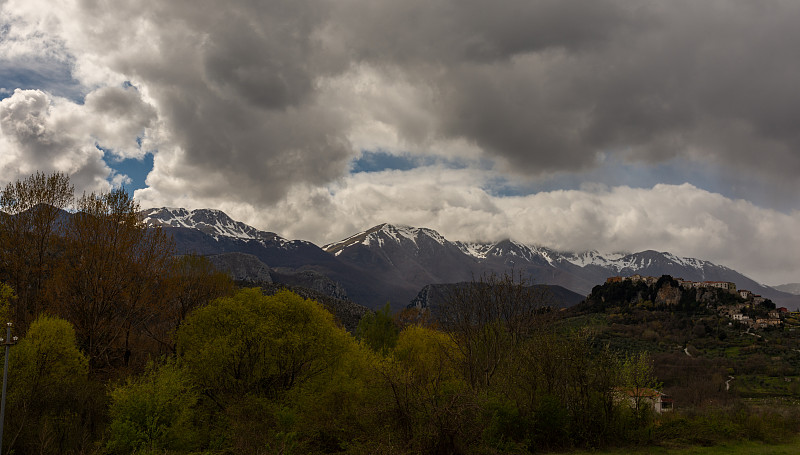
column 215, row 223
column 336, row 248
column 475, row 250
column 529, row 253
column 397, row 232
column 592, row 257
column 380, row 234
column 218, row 224
column 618, row 262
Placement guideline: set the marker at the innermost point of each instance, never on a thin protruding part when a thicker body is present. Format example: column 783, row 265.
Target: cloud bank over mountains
column 260, row 108
column 682, row 219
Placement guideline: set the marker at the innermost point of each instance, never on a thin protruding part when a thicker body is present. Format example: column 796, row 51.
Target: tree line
column 93, row 295
column 91, row 261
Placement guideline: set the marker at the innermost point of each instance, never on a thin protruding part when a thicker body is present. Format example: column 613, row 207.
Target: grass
column 734, row 448
column 757, row 386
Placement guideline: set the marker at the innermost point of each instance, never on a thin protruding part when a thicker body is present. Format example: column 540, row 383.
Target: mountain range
column 393, row 263
column 791, row 288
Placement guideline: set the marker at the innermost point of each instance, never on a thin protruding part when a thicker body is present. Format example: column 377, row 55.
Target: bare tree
column 33, row 214
column 190, row 281
column 488, row 319
column 110, row 275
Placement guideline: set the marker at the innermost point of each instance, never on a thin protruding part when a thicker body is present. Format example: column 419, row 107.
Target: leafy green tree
column 342, row 405
column 378, row 330
column 270, row 366
column 433, row 406
column 251, row 342
column 154, row 412
column 638, row 381
column 48, row 389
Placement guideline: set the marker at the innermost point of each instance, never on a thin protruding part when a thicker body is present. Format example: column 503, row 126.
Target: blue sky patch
column 136, row 170
column 383, row 161
column 32, row 75
column 380, row 160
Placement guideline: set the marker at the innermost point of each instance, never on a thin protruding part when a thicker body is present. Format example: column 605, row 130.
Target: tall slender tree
column 30, row 225
column 110, row 275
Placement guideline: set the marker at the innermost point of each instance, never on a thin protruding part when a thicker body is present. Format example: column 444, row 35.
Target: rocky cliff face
column 310, row 279
column 242, row 267
column 668, row 295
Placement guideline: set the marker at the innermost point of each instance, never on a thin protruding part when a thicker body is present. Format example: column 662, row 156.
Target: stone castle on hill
column 736, row 312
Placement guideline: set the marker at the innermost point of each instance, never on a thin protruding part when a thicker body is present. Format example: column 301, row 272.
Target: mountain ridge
column 393, row 262
column 791, row 288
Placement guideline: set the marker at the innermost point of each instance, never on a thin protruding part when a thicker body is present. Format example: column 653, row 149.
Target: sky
column 616, row 126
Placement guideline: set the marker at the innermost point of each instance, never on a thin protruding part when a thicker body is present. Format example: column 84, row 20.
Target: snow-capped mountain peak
column 385, row 233
column 209, row 221
column 397, row 260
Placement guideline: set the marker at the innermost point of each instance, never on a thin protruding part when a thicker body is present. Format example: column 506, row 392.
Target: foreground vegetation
column 727, row 448
column 125, row 349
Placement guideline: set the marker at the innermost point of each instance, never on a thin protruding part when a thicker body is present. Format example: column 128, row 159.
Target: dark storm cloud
column 235, row 91
column 240, row 89
column 547, row 85
column 452, row 32
column 267, row 95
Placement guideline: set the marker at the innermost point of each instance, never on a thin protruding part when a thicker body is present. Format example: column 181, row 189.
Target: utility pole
column 8, row 342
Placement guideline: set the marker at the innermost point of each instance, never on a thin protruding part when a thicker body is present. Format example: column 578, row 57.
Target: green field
column 736, row 448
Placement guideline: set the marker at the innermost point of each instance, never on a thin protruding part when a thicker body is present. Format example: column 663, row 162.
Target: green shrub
column 552, row 423
column 48, row 384
column 507, row 428
column 153, row 412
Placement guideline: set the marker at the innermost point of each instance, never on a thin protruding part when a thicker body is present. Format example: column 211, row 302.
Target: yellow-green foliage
column 278, row 372
column 433, row 407
column 378, row 330
column 48, row 385
column 153, row 412
column 47, row 362
column 429, row 354
column 255, row 343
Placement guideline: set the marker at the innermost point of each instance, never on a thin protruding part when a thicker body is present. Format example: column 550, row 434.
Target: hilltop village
column 741, row 306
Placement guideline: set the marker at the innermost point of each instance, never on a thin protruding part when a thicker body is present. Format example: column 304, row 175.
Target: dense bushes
column 256, row 372
column 275, row 374
column 154, row 411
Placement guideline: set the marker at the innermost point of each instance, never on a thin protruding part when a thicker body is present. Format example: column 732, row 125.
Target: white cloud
column 682, row 219
column 41, row 132
column 119, row 180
